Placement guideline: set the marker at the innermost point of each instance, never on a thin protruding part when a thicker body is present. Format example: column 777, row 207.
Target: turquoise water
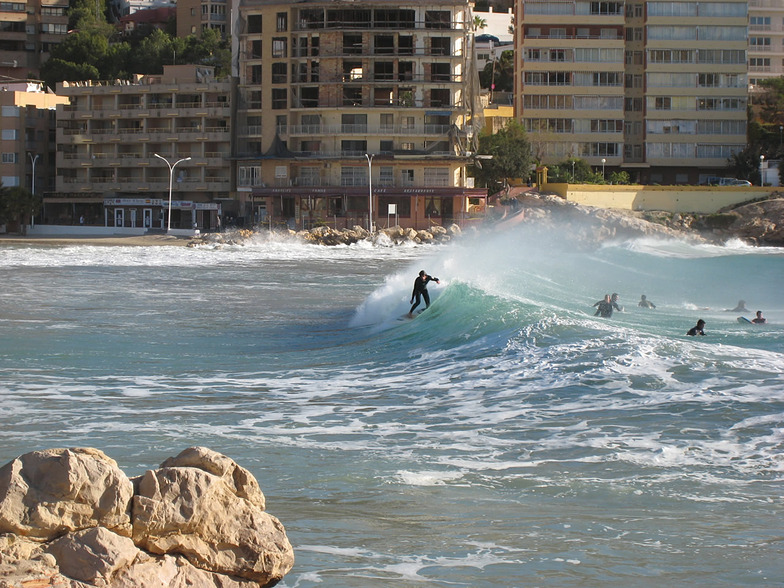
column 506, row 437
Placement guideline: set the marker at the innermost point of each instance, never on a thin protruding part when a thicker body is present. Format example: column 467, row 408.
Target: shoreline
column 98, row 240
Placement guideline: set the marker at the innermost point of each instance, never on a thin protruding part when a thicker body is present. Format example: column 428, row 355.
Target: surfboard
column 743, row 320
column 408, row 317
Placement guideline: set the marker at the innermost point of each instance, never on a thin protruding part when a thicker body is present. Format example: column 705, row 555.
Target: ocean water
column 505, row 437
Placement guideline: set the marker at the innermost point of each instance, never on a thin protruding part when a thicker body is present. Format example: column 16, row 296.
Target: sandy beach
column 110, row 240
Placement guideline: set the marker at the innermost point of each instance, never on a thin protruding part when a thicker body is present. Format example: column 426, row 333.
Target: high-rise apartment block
column 112, row 140
column 194, row 16
column 28, row 29
column 766, row 40
column 657, row 89
column 348, row 107
column 27, row 123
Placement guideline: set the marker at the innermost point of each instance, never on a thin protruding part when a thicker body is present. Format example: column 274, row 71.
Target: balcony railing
column 364, row 130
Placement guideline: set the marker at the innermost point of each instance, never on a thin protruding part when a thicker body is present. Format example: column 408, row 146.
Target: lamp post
column 370, row 191
column 781, row 133
column 603, row 162
column 573, row 171
column 762, row 172
column 33, row 160
column 171, row 174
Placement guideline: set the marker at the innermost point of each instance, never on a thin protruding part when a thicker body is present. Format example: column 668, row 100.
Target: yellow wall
column 696, row 199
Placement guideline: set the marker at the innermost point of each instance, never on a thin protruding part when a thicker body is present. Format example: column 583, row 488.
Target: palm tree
column 479, row 23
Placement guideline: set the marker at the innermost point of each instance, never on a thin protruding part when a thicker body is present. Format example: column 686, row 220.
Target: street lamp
column 370, row 192
column 171, row 174
column 32, row 184
column 762, row 174
column 603, row 162
column 573, row 171
column 781, row 132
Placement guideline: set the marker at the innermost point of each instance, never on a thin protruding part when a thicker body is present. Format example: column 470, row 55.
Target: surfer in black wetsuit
column 606, row 306
column 420, row 291
column 698, row 329
column 759, row 320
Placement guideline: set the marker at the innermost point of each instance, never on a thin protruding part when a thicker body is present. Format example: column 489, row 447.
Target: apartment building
column 657, row 89
column 28, row 29
column 27, row 124
column 766, row 40
column 193, row 16
column 117, row 140
column 347, row 108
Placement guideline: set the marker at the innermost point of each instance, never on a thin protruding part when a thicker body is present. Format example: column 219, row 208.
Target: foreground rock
column 71, row 518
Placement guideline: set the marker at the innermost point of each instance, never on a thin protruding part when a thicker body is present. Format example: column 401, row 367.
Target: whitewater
column 504, row 437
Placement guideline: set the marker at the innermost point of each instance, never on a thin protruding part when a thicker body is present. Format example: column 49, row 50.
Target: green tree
column 479, row 23
column 56, row 70
column 510, row 154
column 18, row 205
column 499, row 72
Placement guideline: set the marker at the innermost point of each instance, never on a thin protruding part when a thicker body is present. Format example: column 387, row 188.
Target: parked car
column 716, row 181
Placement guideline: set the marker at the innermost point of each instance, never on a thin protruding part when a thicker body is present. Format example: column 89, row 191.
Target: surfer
column 605, row 307
column 420, row 291
column 759, row 319
column 740, row 308
column 645, row 303
column 698, row 329
column 614, row 300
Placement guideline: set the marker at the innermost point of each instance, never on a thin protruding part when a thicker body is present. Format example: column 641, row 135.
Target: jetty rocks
column 70, row 518
column 325, row 235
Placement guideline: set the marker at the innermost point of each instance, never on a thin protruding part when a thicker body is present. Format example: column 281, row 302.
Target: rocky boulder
column 214, row 516
column 44, row 494
column 198, row 520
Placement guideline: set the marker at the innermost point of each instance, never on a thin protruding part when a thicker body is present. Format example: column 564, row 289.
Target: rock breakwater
column 70, row 518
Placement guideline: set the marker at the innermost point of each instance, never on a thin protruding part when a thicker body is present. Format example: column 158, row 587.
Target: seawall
column 681, row 199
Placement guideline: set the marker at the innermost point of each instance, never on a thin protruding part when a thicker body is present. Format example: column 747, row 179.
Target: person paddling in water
column 698, row 329
column 420, row 291
column 606, row 306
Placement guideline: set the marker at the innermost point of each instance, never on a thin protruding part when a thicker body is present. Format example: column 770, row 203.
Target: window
column 54, row 29
column 662, row 103
column 255, row 49
column 281, row 22
column 606, row 126
column 353, row 123
column 279, row 101
column 438, row 19
column 279, row 73
column 354, row 176
column 9, row 158
column 10, row 181
column 279, row 47
column 759, row 63
column 759, row 22
column 353, row 147
column 440, row 46
column 386, row 176
column 254, row 24
column 437, row 176
column 249, row 175
column 709, row 80
column 606, row 8
column 759, row 43
column 557, row 54
column 386, row 146
column 9, row 134
column 406, row 177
